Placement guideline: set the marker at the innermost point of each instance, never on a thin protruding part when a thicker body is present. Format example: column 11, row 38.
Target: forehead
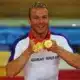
column 39, row 11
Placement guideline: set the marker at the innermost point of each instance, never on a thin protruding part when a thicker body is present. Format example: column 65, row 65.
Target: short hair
column 37, row 5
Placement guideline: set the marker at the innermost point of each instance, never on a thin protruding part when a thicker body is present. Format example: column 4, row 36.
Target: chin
column 42, row 32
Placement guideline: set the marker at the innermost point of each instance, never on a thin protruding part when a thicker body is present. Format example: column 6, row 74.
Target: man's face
column 39, row 20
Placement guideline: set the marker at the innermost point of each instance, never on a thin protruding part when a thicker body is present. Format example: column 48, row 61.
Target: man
column 38, row 54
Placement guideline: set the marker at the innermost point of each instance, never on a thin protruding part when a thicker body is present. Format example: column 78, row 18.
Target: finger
column 31, row 42
column 53, row 42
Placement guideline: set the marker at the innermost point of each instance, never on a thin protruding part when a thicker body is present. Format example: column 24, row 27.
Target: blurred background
column 64, row 20
column 61, row 12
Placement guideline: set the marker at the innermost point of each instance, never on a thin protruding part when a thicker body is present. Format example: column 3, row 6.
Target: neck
column 40, row 36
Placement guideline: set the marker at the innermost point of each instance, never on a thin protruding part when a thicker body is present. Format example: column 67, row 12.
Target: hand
column 30, row 47
column 54, row 47
column 29, row 51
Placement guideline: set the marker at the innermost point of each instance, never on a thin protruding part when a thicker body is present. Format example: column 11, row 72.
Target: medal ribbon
column 32, row 37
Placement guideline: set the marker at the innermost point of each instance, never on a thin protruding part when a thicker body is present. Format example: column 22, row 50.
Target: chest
column 43, row 58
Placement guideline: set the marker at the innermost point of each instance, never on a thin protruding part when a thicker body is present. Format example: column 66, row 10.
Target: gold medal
column 47, row 43
column 37, row 47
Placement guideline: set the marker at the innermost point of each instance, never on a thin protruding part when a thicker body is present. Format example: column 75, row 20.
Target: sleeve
column 18, row 51
column 63, row 42
column 20, row 48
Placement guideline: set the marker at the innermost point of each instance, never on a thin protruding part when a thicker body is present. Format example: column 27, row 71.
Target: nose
column 41, row 20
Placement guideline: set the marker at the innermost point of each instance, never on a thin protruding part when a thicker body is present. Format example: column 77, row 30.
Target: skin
column 72, row 59
column 39, row 26
column 39, row 22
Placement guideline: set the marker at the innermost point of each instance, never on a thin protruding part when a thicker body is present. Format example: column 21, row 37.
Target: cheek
column 37, row 22
column 46, row 21
column 34, row 23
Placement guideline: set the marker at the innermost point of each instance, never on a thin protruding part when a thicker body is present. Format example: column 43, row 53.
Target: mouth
column 41, row 27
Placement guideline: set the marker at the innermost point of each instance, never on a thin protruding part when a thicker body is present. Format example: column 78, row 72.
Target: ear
column 29, row 21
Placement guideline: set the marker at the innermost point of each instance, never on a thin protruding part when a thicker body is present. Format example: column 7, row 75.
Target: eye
column 45, row 17
column 35, row 17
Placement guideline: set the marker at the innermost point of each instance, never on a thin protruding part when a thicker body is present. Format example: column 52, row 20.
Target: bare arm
column 70, row 58
column 15, row 66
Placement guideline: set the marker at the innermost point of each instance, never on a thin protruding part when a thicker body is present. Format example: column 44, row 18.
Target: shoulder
column 58, row 37
column 23, row 42
column 62, row 41
column 20, row 47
